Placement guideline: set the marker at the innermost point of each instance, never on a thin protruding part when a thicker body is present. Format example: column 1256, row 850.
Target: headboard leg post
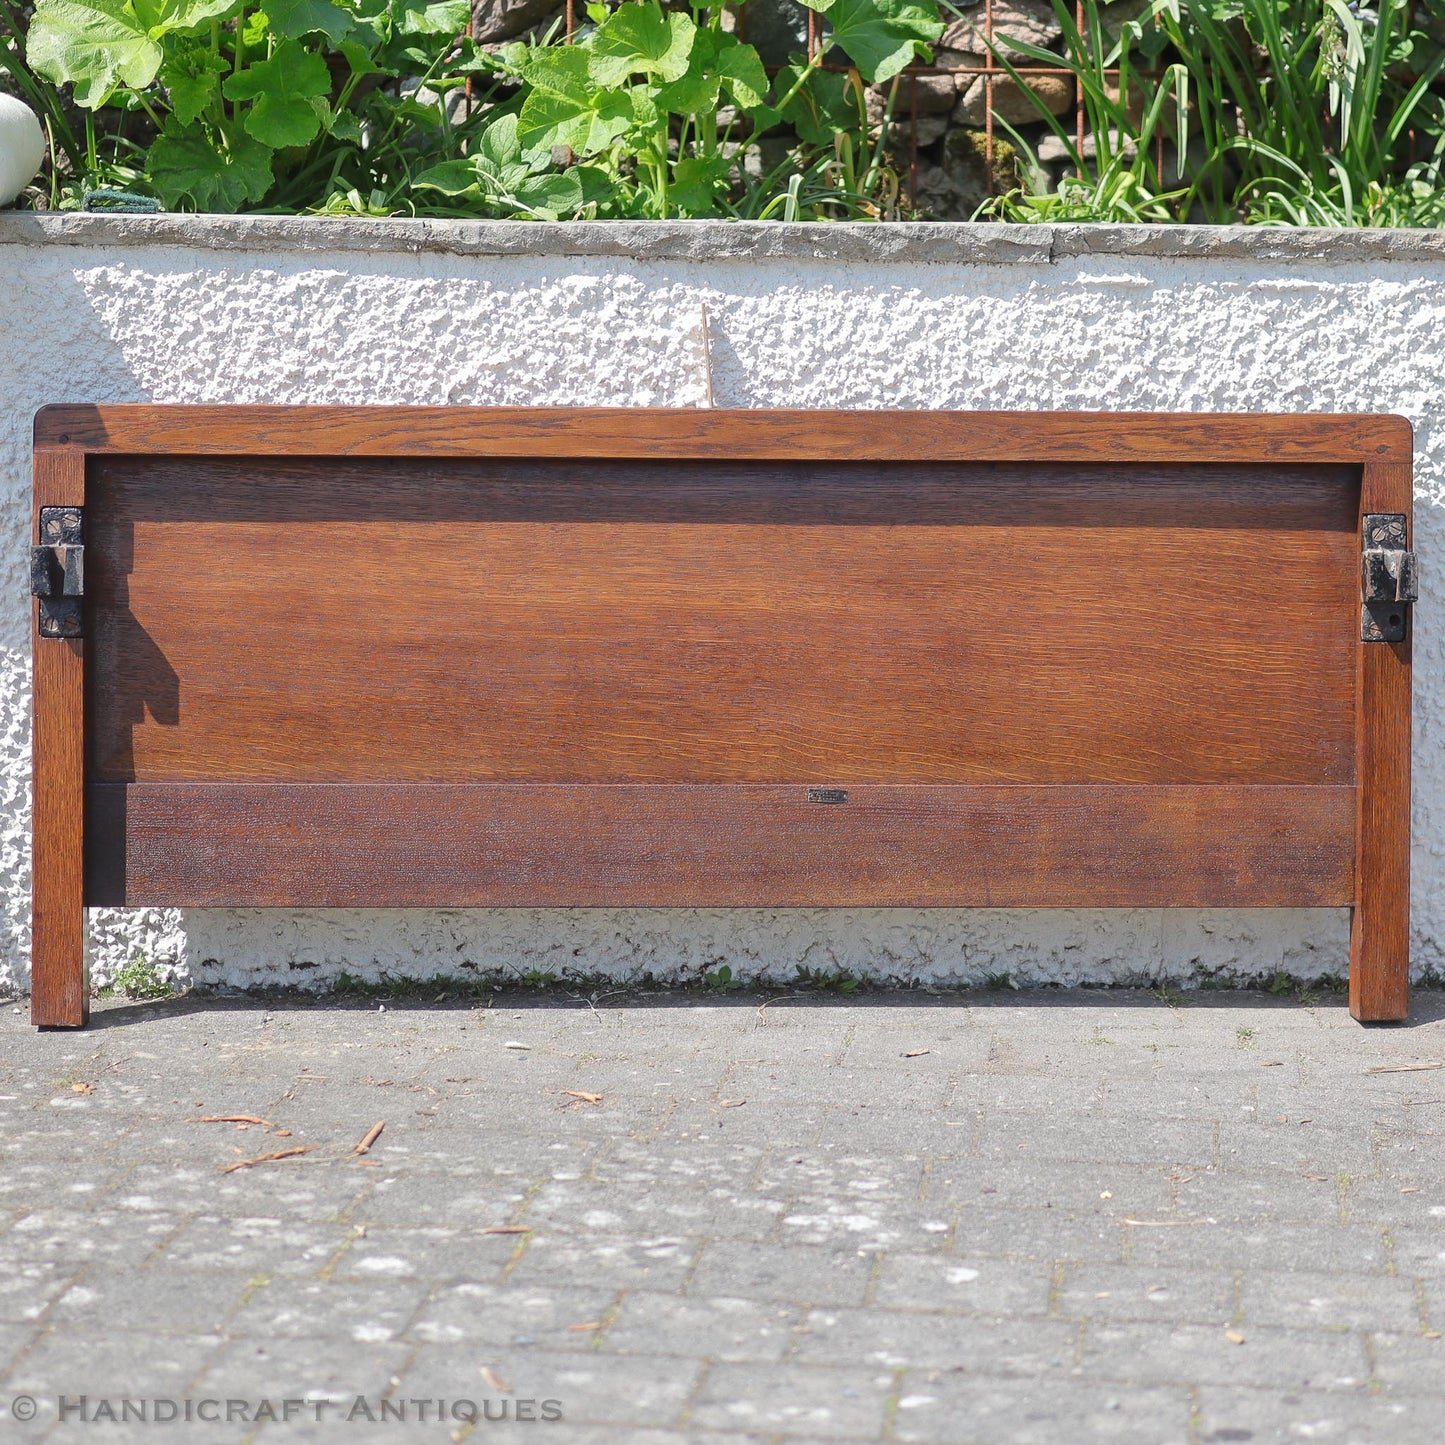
column 1380, row 925
column 59, row 992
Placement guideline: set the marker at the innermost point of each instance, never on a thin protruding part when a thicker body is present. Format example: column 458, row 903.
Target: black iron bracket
column 1388, row 583
column 57, row 572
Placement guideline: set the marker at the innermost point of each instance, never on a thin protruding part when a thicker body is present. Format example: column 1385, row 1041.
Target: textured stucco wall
column 100, row 309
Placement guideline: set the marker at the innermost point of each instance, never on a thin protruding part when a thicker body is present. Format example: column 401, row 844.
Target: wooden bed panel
column 440, row 845
column 668, row 622
column 774, row 657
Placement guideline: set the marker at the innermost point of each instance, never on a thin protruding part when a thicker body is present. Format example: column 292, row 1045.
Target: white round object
column 22, row 147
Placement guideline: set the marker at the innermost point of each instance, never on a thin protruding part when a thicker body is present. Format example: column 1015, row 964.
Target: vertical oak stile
column 1380, row 925
column 59, row 995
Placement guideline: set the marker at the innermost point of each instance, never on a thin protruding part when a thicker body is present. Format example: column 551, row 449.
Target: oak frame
column 1382, row 446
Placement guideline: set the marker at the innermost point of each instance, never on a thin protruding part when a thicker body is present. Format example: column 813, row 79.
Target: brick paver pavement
column 983, row 1217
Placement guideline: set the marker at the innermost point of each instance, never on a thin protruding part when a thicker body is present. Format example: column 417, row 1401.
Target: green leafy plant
column 374, row 107
column 1273, row 111
column 830, row 981
column 227, row 107
column 140, row 979
column 653, row 111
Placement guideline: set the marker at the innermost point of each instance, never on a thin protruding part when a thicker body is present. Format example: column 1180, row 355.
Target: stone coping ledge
column 949, row 243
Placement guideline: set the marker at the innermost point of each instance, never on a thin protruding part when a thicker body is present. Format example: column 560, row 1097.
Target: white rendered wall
column 99, row 310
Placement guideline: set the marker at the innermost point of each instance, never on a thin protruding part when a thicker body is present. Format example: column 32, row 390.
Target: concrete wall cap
column 901, row 243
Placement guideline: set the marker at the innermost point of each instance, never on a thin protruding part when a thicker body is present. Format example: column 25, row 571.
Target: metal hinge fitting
column 57, row 572
column 1387, row 578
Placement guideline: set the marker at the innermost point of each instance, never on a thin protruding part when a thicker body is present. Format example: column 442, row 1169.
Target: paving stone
column 457, row 1200
column 333, row 1370
column 100, row 1362
column 385, row 1252
column 1229, row 1194
column 1089, row 1187
column 964, row 1283
column 591, row 1388
column 886, row 1178
column 831, row 1403
column 1004, row 1240
column 670, row 1206
column 27, row 1291
column 369, row 1312
column 1200, row 1355
column 789, row 1274
column 656, row 1262
column 256, row 1246
column 74, row 1237
column 296, row 1188
column 1162, row 1296
column 1409, row 1362
column 637, row 1164
column 1041, row 1233
column 1134, row 1139
column 897, row 1339
column 718, row 1327
column 146, row 1302
column 957, row 1408
column 1308, row 1300
column 1278, row 1417
column 15, row 1339
column 1294, row 1148
column 1196, row 1242
column 507, row 1316
column 867, row 1224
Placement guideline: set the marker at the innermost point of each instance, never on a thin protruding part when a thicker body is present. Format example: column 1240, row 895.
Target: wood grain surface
column 645, row 621
column 58, row 993
column 725, row 435
column 1380, row 926
column 396, row 845
column 388, row 656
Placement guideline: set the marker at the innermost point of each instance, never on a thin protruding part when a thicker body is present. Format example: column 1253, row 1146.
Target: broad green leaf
column 764, row 118
column 214, row 175
column 192, row 80
column 255, row 28
column 549, row 119
column 282, row 88
column 645, row 112
column 451, row 178
column 741, row 68
column 551, row 195
column 598, row 186
column 498, row 144
column 94, row 45
column 358, row 57
column 698, row 90
column 640, row 39
column 881, row 37
column 164, row 17
column 820, row 109
column 718, row 60
column 562, row 69
column 371, row 23
column 344, row 126
column 565, row 108
column 695, row 183
column 431, row 17
column 295, row 18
